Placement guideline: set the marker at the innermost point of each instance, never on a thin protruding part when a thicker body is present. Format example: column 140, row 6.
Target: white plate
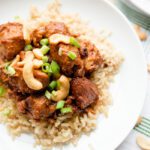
column 129, row 88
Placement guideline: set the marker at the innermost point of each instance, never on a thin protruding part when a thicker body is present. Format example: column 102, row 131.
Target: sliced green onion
column 28, row 47
column 45, row 59
column 60, row 104
column 44, row 41
column 46, row 68
column 45, row 49
column 10, row 70
column 17, row 17
column 58, row 84
column 66, row 110
column 53, row 85
column 72, row 55
column 56, row 75
column 48, row 95
column 2, row 91
column 74, row 42
column 6, row 112
column 55, row 67
column 54, row 93
column 5, row 65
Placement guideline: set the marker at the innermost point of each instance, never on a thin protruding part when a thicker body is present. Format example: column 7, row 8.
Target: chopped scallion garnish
column 10, row 70
column 46, row 68
column 45, row 59
column 48, row 95
column 6, row 112
column 2, row 91
column 45, row 49
column 55, row 67
column 44, row 41
column 54, row 93
column 58, row 84
column 28, row 47
column 74, row 42
column 17, row 17
column 60, row 104
column 66, row 110
column 72, row 55
column 53, row 85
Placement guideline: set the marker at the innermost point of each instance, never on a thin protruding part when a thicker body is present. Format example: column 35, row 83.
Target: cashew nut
column 15, row 61
column 148, row 68
column 21, row 63
column 57, row 38
column 63, row 90
column 143, row 143
column 142, row 35
column 26, row 33
column 29, row 79
column 34, row 13
column 37, row 53
column 37, row 63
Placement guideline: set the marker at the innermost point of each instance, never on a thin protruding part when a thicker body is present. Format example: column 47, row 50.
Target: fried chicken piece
column 48, row 30
column 68, row 66
column 84, row 91
column 37, row 107
column 11, row 40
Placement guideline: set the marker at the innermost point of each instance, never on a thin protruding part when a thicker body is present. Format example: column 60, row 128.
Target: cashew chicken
column 15, row 61
column 63, row 90
column 22, row 63
column 57, row 38
column 37, row 53
column 143, row 142
column 37, row 63
column 28, row 76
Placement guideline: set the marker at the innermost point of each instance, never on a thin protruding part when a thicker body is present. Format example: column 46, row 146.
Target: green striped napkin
column 134, row 15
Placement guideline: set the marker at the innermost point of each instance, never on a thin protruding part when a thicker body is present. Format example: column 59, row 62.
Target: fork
column 144, row 126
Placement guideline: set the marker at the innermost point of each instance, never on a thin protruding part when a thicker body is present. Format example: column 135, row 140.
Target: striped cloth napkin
column 134, row 14
column 142, row 131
